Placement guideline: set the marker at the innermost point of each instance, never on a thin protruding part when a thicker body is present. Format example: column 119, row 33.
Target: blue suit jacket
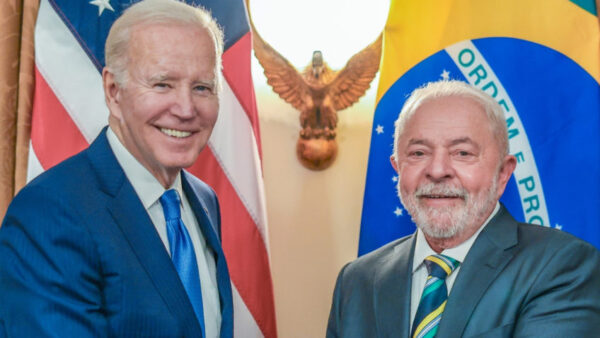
column 80, row 257
column 518, row 280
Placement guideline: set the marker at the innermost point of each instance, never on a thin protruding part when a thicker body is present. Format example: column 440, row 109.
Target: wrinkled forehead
column 437, row 114
column 158, row 40
column 460, row 102
column 166, row 31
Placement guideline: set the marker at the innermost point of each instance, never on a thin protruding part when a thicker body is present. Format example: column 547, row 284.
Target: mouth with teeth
column 175, row 133
column 439, row 196
column 442, row 201
column 440, row 193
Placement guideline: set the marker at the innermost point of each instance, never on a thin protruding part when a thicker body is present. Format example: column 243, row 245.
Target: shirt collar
column 459, row 252
column 144, row 183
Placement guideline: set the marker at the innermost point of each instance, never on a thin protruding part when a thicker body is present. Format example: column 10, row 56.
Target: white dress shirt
column 422, row 250
column 149, row 190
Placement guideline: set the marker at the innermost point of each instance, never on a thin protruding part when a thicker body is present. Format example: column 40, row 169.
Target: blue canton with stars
column 90, row 21
column 561, row 122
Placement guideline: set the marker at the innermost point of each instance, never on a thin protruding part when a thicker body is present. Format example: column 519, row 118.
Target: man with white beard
column 470, row 269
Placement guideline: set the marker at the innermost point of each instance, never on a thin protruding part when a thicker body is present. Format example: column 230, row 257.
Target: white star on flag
column 102, row 5
column 398, row 212
column 395, row 178
column 558, row 226
column 445, row 75
column 379, row 129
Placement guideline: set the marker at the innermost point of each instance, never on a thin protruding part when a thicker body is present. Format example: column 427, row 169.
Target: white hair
column 444, row 88
column 150, row 12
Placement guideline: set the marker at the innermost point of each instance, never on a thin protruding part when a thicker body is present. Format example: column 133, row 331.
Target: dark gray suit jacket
column 518, row 280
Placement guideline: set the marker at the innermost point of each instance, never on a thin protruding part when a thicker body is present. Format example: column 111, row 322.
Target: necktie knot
column 440, row 266
column 170, row 203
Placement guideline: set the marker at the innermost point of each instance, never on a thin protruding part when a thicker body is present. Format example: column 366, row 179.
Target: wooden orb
column 316, row 153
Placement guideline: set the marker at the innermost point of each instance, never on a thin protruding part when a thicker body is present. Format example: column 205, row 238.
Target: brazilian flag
column 540, row 60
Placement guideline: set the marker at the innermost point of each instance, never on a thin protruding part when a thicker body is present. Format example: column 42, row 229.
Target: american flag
column 69, row 112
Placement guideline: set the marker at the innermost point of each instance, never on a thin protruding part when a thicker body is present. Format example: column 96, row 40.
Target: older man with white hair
column 470, row 269
column 118, row 240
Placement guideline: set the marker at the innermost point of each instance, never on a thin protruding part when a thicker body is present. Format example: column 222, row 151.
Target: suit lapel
column 392, row 289
column 135, row 224
column 486, row 259
column 210, row 233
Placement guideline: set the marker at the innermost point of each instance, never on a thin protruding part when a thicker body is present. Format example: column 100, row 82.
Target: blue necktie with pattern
column 435, row 294
column 182, row 252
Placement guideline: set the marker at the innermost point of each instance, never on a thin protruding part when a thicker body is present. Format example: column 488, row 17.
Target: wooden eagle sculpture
column 318, row 92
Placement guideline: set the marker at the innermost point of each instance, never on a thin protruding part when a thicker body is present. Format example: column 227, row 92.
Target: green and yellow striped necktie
column 435, row 294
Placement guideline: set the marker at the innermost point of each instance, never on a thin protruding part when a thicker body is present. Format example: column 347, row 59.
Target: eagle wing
column 281, row 75
column 355, row 78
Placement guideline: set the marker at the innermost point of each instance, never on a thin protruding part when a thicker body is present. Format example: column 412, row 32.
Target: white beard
column 447, row 222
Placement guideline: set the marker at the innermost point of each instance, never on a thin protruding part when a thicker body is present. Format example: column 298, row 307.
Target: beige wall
column 314, row 216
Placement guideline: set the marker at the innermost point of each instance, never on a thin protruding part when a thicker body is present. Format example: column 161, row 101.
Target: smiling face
column 450, row 167
column 165, row 112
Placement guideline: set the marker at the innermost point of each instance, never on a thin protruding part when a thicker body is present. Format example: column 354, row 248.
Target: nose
column 439, row 167
column 184, row 107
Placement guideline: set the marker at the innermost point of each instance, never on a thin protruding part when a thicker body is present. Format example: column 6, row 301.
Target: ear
column 394, row 163
column 509, row 163
column 112, row 93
